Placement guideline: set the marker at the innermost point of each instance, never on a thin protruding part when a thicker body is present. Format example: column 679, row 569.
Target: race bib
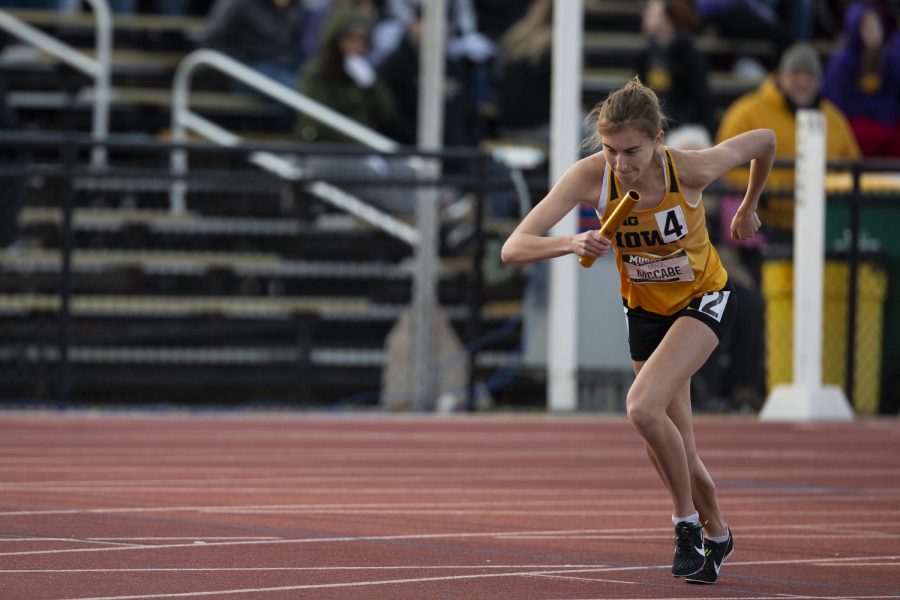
column 649, row 268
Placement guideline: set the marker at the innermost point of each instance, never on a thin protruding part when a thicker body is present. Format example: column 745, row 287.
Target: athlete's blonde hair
column 635, row 105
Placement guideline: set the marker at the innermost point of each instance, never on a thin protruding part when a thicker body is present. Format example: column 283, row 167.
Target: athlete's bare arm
column 700, row 168
column 528, row 242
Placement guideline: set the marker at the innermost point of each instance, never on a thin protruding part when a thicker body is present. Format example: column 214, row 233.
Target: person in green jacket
column 342, row 79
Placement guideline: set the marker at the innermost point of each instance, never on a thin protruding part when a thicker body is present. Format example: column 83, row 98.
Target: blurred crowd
column 360, row 57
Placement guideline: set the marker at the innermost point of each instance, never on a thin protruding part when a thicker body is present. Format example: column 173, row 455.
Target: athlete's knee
column 640, row 413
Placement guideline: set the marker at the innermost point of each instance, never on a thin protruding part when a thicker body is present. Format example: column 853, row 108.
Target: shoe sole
column 688, row 574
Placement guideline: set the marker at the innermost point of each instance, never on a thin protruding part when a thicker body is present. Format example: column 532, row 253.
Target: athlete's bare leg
column 659, row 408
column 703, row 489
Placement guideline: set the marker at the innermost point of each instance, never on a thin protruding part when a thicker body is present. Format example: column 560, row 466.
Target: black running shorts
column 647, row 329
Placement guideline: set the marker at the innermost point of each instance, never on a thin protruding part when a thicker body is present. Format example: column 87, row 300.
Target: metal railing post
column 183, row 120
column 103, row 44
column 98, row 68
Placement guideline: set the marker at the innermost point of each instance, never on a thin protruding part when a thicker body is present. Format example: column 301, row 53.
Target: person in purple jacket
column 863, row 79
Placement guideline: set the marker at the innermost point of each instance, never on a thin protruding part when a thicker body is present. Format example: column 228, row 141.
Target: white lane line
column 305, row 569
column 591, row 579
column 196, row 537
column 456, row 578
column 106, row 540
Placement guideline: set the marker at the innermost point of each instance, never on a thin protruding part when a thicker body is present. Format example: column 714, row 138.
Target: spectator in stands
column 400, row 71
column 317, row 13
column 796, row 84
column 671, row 64
column 863, row 80
column 264, row 34
column 524, row 75
column 343, row 79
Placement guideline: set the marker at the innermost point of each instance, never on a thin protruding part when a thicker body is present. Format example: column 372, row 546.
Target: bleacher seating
column 254, row 294
column 293, row 307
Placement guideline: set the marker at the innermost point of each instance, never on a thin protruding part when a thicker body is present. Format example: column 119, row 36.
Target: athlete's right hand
column 590, row 243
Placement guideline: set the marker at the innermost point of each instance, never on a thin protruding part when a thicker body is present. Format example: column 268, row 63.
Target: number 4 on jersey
column 672, row 224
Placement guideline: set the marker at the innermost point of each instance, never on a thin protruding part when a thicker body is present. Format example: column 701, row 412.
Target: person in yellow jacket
column 796, row 84
column 678, row 301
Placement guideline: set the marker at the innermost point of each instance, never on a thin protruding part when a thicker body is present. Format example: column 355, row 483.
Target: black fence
column 258, row 292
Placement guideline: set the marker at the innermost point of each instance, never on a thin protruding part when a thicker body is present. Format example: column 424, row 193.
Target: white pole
column 806, row 399
column 430, row 137
column 103, row 45
column 565, row 140
column 431, row 75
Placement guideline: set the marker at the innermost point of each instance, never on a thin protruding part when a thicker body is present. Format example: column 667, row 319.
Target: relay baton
column 621, row 212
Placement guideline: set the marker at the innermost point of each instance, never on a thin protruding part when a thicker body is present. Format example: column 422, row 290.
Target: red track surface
column 275, row 507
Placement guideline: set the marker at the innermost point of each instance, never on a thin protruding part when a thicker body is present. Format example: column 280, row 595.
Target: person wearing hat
column 342, row 78
column 796, row 84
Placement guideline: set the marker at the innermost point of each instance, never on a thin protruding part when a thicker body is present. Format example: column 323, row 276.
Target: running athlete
column 678, row 300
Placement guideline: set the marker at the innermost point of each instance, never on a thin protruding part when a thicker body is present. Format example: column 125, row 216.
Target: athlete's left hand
column 744, row 224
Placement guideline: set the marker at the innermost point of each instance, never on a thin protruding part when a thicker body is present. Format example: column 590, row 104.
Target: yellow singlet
column 664, row 255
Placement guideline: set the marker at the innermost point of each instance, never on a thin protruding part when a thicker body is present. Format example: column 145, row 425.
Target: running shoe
column 689, row 556
column 716, row 553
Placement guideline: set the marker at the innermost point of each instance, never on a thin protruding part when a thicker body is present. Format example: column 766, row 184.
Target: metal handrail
column 98, row 68
column 184, row 119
